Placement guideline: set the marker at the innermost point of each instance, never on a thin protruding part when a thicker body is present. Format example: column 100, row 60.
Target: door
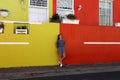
column 38, row 11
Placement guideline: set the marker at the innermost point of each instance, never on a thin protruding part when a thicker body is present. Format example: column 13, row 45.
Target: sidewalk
column 28, row 72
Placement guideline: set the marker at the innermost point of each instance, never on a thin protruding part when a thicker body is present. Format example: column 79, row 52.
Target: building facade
column 94, row 39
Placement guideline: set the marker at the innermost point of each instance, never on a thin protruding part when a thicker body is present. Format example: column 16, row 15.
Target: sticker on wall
column 1, row 27
column 21, row 28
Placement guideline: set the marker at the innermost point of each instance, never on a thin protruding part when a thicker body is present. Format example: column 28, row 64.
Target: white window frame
column 111, row 16
column 72, row 10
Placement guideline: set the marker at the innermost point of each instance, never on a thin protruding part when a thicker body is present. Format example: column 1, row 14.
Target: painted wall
column 89, row 14
column 54, row 6
column 116, row 7
column 78, row 52
column 17, row 11
column 50, row 8
column 40, row 52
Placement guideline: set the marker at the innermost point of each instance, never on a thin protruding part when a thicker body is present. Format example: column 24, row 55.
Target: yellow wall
column 51, row 8
column 17, row 11
column 40, row 52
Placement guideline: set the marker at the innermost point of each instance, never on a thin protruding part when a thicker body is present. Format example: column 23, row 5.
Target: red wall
column 54, row 6
column 78, row 52
column 89, row 14
column 116, row 10
column 76, row 35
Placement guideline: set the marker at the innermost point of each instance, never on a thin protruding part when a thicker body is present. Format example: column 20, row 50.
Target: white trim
column 15, row 43
column 48, row 7
column 73, row 6
column 65, row 9
column 101, row 42
column 107, row 0
column 68, row 21
column 38, row 7
column 9, row 21
column 117, row 24
column 28, row 3
column 112, row 13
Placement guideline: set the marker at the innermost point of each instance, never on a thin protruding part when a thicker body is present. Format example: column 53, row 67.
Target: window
column 65, row 7
column 105, row 13
column 38, row 3
column 64, row 4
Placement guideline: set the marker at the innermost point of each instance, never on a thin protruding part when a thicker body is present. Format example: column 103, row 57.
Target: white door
column 38, row 11
column 37, row 15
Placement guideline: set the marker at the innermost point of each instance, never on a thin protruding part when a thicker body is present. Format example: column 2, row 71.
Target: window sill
column 68, row 21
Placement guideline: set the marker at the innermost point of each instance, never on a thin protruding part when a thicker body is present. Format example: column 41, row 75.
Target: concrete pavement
column 28, row 72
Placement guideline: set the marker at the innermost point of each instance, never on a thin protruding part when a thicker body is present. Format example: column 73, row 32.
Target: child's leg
column 63, row 56
column 60, row 58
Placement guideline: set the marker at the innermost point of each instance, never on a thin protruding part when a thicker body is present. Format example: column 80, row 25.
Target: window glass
column 65, row 7
column 64, row 4
column 38, row 3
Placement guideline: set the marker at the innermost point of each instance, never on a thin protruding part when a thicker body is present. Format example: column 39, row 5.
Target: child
column 61, row 49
